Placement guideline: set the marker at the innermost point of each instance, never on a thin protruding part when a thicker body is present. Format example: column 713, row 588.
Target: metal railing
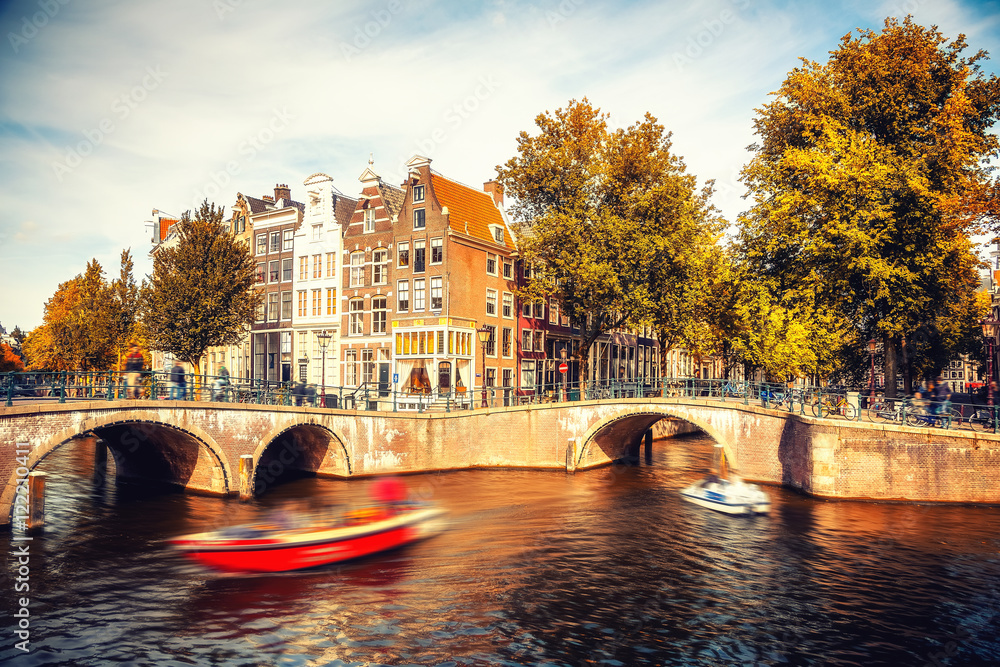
column 820, row 402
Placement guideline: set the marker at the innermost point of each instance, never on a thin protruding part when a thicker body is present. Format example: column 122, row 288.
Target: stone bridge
column 198, row 446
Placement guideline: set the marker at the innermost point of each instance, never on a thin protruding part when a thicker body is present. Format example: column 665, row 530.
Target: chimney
column 268, row 198
column 495, row 189
column 282, row 191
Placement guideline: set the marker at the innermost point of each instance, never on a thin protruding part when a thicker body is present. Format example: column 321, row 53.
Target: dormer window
column 497, row 233
column 418, row 194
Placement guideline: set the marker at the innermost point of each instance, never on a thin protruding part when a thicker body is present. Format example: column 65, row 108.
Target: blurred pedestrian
column 178, row 390
column 133, row 370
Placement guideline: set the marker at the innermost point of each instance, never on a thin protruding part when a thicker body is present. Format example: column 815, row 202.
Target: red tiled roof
column 469, row 210
column 343, row 209
column 165, row 225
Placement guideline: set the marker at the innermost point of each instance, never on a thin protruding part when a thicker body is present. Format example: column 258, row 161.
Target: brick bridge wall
column 198, row 445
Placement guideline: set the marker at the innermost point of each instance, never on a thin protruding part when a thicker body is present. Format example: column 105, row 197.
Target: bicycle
column 919, row 415
column 886, row 411
column 984, row 420
column 737, row 390
column 824, row 406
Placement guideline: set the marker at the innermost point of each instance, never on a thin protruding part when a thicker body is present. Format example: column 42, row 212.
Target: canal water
column 606, row 567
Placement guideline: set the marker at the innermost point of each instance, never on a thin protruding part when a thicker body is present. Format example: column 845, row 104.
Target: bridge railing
column 841, row 403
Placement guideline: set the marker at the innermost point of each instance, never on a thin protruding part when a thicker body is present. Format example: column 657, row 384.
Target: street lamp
column 484, row 335
column 324, row 340
column 871, row 352
column 990, row 328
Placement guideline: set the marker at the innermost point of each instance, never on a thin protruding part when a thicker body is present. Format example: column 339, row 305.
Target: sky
column 109, row 110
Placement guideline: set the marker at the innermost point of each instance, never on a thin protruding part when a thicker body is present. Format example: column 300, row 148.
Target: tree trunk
column 889, row 364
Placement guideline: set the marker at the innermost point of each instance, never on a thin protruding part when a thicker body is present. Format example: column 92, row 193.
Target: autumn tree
column 9, row 360
column 201, row 291
column 74, row 334
column 867, row 180
column 608, row 222
column 124, row 306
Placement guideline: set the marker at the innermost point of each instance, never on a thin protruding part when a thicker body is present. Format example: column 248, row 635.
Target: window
column 317, row 266
column 508, row 305
column 418, row 194
column 331, row 301
column 527, row 375
column 260, row 272
column 367, row 365
column 378, row 314
column 508, row 269
column 303, row 303
column 286, row 305
column 261, row 312
column 540, row 310
column 317, row 233
column 275, row 241
column 287, row 239
column 419, row 252
column 358, row 269
column 261, row 244
column 491, row 377
column 538, row 337
column 437, row 251
column 403, row 295
column 357, row 317
column 508, row 377
column 526, row 309
column 317, row 302
column 418, row 294
column 491, row 302
column 369, row 220
column 351, row 368
column 564, row 320
column 498, row 234
column 508, row 342
column 491, row 264
column 286, row 270
column 526, row 271
column 436, row 300
column 526, row 340
column 380, row 266
column 272, row 307
column 491, row 342
column 419, row 221
column 303, row 267
column 272, row 271
column 329, row 265
column 553, row 311
column 403, row 254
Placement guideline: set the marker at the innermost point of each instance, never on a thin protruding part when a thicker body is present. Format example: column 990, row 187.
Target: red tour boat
column 272, row 548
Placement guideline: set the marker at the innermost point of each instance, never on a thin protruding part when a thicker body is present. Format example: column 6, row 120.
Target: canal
column 607, row 566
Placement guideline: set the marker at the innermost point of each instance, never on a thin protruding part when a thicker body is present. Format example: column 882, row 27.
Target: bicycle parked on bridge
column 826, row 405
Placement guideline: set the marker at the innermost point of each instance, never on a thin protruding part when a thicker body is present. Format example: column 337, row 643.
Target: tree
column 74, row 334
column 867, row 181
column 9, row 361
column 201, row 292
column 606, row 221
column 124, row 306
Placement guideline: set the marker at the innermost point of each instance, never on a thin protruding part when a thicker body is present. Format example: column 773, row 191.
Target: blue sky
column 112, row 109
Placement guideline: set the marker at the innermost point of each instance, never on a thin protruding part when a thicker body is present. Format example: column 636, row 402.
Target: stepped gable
column 470, row 211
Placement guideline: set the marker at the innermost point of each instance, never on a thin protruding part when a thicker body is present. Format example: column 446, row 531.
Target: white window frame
column 419, row 294
column 491, row 300
column 421, row 215
column 507, row 309
column 418, row 194
column 356, row 317
column 403, row 291
column 369, row 220
column 380, row 268
column 358, row 269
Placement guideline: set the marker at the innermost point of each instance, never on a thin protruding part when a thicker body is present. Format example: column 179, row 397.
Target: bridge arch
column 301, row 445
column 616, row 433
column 144, row 448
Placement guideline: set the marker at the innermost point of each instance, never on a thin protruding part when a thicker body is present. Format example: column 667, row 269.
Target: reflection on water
column 607, row 566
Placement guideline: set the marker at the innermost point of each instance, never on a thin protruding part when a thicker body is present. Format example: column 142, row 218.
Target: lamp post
column 990, row 328
column 324, row 340
column 484, row 335
column 871, row 353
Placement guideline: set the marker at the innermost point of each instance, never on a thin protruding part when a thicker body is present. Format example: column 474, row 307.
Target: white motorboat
column 732, row 496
